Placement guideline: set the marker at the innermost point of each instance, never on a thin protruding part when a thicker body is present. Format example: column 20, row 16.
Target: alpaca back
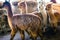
column 25, row 21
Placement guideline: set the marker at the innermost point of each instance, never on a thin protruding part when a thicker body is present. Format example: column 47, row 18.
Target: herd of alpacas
column 34, row 23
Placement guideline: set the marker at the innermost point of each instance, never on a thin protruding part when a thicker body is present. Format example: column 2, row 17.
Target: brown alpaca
column 32, row 7
column 53, row 20
column 25, row 22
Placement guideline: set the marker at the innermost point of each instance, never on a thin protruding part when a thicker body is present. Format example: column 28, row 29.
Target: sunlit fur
column 56, row 8
column 25, row 22
column 31, row 6
column 43, row 12
column 56, row 11
column 57, row 15
column 53, row 20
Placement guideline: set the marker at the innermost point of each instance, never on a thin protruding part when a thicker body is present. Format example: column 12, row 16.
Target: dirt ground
column 54, row 36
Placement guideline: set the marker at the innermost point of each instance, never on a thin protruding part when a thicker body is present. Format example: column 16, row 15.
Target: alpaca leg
column 41, row 36
column 22, row 35
column 33, row 36
column 40, row 33
column 55, row 27
column 29, row 34
column 13, row 32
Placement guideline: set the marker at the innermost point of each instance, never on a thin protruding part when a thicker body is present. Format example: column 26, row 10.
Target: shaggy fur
column 53, row 20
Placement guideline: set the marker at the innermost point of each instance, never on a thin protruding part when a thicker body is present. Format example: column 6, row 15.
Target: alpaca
column 56, row 8
column 53, row 20
column 31, row 6
column 25, row 22
column 15, row 7
column 43, row 12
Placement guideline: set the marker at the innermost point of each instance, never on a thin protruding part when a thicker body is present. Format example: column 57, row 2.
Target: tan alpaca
column 29, row 6
column 53, row 20
column 56, row 8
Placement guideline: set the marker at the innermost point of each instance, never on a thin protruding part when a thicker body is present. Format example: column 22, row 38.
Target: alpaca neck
column 51, row 14
column 10, row 12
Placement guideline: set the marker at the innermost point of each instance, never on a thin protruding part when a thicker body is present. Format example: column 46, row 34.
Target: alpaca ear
column 19, row 4
column 49, row 5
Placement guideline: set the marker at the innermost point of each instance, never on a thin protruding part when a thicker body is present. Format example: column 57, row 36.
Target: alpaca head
column 21, row 6
column 48, row 7
column 6, row 5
